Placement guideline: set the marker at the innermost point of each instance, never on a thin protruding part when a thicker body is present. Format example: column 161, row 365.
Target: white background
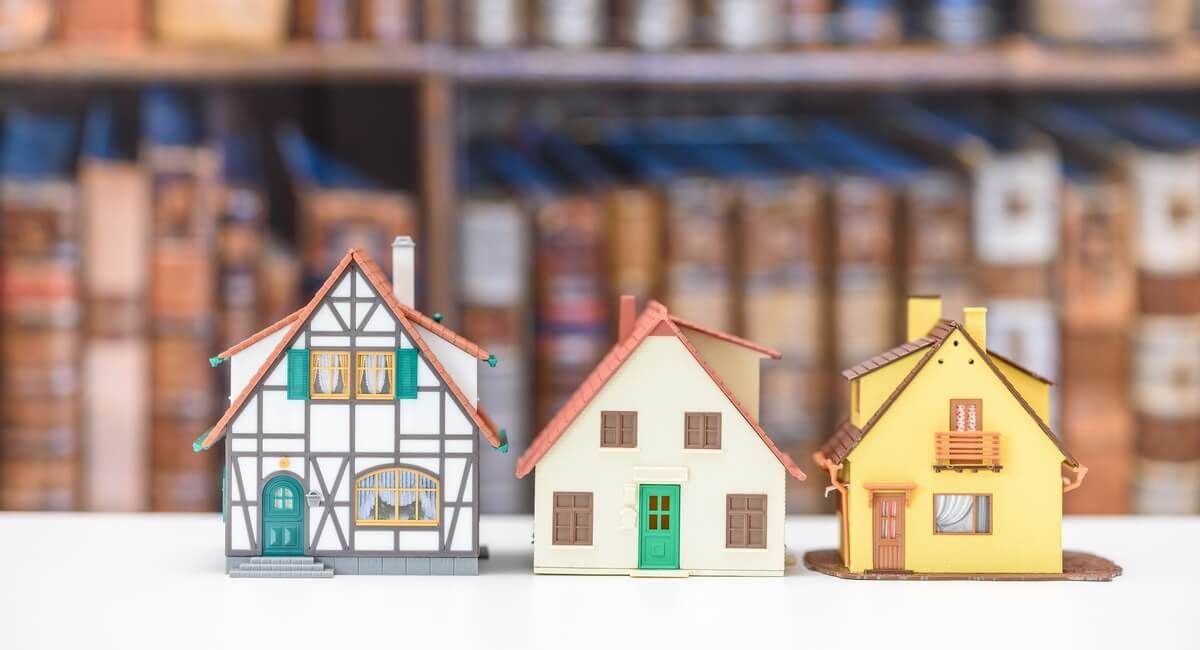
column 157, row 581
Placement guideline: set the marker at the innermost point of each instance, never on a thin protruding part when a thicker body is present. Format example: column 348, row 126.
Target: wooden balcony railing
column 960, row 450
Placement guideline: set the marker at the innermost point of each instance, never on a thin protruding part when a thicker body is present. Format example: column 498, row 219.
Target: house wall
column 1026, row 532
column 739, row 367
column 1034, row 390
column 661, row 381
column 326, row 444
column 876, row 386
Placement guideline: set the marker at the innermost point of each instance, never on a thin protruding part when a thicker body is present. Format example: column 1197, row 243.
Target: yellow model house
column 946, row 464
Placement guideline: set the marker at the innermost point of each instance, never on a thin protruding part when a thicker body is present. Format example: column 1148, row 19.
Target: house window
column 375, row 374
column 746, row 521
column 702, row 431
column 573, row 518
column 962, row 514
column 966, row 415
column 397, row 496
column 618, row 429
column 329, row 376
column 282, row 498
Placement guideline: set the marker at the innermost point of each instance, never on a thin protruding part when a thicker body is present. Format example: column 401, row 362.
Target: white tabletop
column 157, row 581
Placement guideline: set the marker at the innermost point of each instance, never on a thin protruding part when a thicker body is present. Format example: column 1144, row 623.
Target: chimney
column 975, row 322
column 404, row 257
column 626, row 314
column 923, row 313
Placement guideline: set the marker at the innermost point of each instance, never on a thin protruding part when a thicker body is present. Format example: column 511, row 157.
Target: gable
column 956, row 369
column 874, row 387
column 660, row 382
column 654, row 321
column 362, row 278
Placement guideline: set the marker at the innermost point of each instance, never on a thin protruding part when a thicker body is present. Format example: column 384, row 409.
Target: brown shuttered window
column 618, row 429
column 746, row 521
column 702, row 431
column 573, row 518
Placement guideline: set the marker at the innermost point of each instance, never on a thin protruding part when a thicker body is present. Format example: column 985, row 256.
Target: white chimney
column 404, row 257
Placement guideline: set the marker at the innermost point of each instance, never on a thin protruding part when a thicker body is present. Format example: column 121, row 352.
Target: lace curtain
column 374, row 374
column 327, row 378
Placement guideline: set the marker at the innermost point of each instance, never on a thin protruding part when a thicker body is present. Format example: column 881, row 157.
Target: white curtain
column 327, row 379
column 374, row 374
column 428, row 499
column 366, row 497
column 953, row 512
column 408, row 496
column 387, row 496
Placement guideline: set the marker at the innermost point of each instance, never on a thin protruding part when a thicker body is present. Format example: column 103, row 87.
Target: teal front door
column 282, row 517
column 658, row 532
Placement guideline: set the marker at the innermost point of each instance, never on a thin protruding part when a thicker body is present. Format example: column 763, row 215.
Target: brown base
column 1077, row 566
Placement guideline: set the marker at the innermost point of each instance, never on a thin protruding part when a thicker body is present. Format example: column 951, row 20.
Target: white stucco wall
column 661, row 381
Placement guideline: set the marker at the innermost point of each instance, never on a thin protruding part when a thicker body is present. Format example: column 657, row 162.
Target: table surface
column 157, row 581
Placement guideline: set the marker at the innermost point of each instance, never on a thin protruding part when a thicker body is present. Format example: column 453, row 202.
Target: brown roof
column 375, row 276
column 728, row 338
column 654, row 319
column 846, row 438
column 884, row 358
column 1009, row 361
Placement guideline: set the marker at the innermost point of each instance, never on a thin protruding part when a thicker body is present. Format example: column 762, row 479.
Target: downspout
column 1080, row 472
column 835, row 484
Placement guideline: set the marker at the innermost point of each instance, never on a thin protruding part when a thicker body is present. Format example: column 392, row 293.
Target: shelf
column 300, row 61
column 1016, row 64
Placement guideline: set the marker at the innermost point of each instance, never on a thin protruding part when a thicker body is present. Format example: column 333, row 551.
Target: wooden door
column 889, row 532
column 658, row 538
column 282, row 517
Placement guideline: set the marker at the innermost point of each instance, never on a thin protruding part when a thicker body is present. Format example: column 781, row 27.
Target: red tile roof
column 654, row 317
column 847, row 437
column 728, row 338
column 379, row 282
column 262, row 334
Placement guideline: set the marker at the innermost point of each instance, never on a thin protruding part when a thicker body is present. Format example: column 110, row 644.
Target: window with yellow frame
column 397, row 496
column 375, row 375
column 329, row 374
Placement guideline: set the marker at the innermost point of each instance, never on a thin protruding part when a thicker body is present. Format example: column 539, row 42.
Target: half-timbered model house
column 352, row 435
column 657, row 465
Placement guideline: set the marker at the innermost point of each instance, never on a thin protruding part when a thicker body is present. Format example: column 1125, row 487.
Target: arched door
column 282, row 517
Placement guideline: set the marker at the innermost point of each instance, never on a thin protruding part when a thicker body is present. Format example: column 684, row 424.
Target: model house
column 946, row 464
column 657, row 465
column 352, row 435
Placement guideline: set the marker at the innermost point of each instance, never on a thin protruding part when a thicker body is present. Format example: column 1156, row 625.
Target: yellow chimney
column 923, row 313
column 975, row 322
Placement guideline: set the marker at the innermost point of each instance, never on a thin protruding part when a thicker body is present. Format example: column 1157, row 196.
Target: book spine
column 335, row 220
column 183, row 273
column 700, row 252
column 116, row 382
column 572, row 306
column 496, row 288
column 1166, row 338
column 40, row 439
column 1097, row 305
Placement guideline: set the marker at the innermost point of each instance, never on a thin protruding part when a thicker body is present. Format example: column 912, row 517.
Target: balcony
column 966, row 450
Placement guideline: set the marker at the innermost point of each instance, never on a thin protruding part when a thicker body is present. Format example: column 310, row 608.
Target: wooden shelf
column 1016, row 64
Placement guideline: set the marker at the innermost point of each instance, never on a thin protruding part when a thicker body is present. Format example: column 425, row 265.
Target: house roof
column 380, row 284
column 728, row 338
column 655, row 319
column 847, row 437
column 1009, row 361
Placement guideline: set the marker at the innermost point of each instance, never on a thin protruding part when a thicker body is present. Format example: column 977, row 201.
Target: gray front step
column 284, row 560
column 246, row 566
column 280, row 573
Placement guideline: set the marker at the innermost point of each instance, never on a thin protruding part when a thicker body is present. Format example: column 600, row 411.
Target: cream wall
column 661, row 380
column 737, row 366
column 1027, row 493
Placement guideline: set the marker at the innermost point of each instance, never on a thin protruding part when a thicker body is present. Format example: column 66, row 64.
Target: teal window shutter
column 406, row 373
column 297, row 374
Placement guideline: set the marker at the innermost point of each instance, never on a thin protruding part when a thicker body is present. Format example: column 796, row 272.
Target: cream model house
column 657, row 465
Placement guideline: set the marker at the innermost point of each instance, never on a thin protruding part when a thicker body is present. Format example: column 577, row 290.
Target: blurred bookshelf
column 778, row 168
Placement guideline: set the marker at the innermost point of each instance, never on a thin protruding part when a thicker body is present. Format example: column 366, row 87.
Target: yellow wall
column 1034, row 390
column 877, row 385
column 1026, row 494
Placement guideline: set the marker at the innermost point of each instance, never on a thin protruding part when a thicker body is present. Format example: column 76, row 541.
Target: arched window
column 397, row 496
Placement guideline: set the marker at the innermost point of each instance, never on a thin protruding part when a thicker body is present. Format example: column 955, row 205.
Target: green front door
column 282, row 517
column 658, row 532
